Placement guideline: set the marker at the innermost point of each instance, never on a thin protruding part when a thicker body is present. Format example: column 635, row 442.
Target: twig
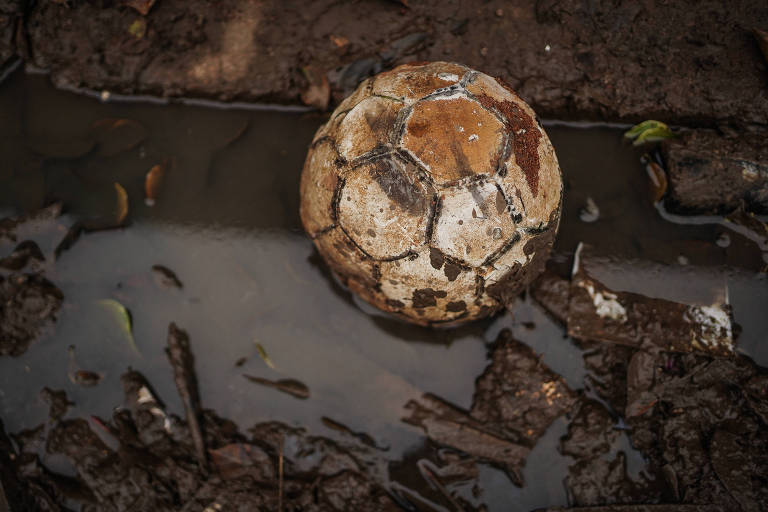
column 183, row 364
column 280, row 476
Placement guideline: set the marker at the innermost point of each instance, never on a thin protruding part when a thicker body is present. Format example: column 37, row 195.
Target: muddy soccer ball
column 433, row 193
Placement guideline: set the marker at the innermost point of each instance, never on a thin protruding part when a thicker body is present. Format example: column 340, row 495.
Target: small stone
column 499, row 12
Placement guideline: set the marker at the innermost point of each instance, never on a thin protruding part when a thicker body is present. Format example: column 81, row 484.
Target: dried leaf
column 339, row 41
column 648, row 131
column 142, row 6
column 264, row 356
column 658, row 180
column 318, row 93
column 122, row 203
column 166, row 276
column 291, row 386
column 123, row 317
column 117, row 135
column 153, row 181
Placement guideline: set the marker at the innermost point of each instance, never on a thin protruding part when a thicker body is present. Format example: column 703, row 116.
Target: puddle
column 226, row 223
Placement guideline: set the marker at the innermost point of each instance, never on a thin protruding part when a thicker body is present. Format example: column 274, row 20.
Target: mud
column 710, row 173
column 568, row 59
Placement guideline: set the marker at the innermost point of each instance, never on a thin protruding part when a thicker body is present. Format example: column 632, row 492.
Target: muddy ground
column 694, row 62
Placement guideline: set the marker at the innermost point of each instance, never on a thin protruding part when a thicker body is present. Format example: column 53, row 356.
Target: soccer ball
column 433, row 193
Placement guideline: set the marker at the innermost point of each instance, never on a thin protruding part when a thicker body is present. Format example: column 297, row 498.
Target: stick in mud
column 183, row 364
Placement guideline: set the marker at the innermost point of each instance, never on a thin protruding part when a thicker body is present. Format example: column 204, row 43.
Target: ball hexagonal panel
column 385, row 207
column 473, row 223
column 454, row 137
column 367, row 126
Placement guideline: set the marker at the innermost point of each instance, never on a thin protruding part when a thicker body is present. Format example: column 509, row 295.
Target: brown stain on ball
column 525, row 137
column 399, row 188
column 427, row 297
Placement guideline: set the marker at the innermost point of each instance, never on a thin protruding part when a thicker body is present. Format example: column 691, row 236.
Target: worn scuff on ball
column 433, row 193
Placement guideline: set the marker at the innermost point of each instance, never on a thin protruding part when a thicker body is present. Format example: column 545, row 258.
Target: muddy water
column 226, row 223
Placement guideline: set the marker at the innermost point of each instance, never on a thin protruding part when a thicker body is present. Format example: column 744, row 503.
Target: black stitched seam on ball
column 446, row 92
column 542, row 228
column 407, row 158
column 384, row 96
column 401, row 120
column 343, row 112
column 479, row 285
column 501, row 251
column 374, row 154
column 336, row 199
column 436, row 207
column 468, row 78
column 322, row 139
column 323, row 231
column 346, row 233
column 466, row 181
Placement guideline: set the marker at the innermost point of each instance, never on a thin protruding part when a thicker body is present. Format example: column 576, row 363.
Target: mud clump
column 28, row 305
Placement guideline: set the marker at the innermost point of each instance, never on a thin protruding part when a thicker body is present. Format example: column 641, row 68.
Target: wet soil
column 691, row 62
column 137, row 389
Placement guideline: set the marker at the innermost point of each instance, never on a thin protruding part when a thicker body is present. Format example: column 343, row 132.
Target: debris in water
column 153, row 181
column 649, row 131
column 183, row 364
column 291, row 386
column 263, row 355
column 123, row 318
column 597, row 312
column 115, row 136
column 122, row 203
column 78, row 376
column 590, row 212
column 166, row 277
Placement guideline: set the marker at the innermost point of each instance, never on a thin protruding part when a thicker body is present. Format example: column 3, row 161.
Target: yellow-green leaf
column 264, row 356
column 122, row 317
column 649, row 131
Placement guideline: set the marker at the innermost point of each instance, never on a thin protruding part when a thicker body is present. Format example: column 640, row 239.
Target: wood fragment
column 183, row 362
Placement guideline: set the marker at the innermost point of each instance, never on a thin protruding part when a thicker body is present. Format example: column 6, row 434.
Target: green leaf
column 649, row 131
column 264, row 356
column 123, row 318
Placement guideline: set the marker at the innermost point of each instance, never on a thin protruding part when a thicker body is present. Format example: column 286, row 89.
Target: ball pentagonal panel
column 385, row 206
column 411, row 82
column 473, row 223
column 454, row 137
column 367, row 126
column 318, row 185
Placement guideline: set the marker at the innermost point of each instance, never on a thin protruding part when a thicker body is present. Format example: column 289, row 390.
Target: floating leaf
column 318, row 93
column 649, row 131
column 123, row 317
column 117, row 135
column 166, row 277
column 291, row 386
column 152, row 183
column 264, row 356
column 122, row 203
column 658, row 180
